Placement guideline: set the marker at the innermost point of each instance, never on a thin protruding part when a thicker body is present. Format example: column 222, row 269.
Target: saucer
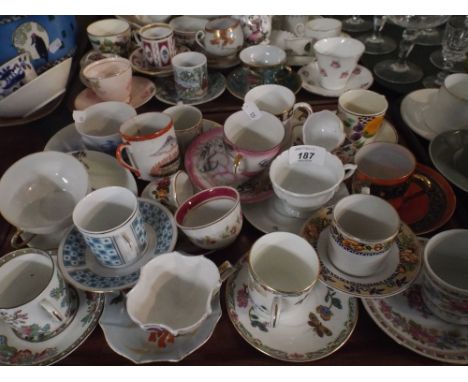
column 400, row 268
column 208, row 165
column 319, row 326
column 127, row 339
column 81, row 269
column 166, row 91
column 361, row 78
column 445, row 150
column 269, row 216
column 223, row 62
column 406, row 320
column 139, row 64
column 143, row 90
column 15, row 351
column 65, row 140
column 293, row 60
column 412, row 108
column 240, row 81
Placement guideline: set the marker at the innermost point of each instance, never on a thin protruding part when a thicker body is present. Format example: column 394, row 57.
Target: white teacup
column 221, row 37
column 323, row 129
column 319, row 28
column 290, row 23
column 188, row 123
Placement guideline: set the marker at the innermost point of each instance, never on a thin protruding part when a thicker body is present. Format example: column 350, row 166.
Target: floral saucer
column 16, row 351
column 406, row 320
column 166, row 91
column 411, row 110
column 361, row 78
column 241, row 80
column 127, row 339
column 139, row 64
column 81, row 269
column 269, row 215
column 143, row 90
column 208, row 165
column 399, row 270
column 317, row 328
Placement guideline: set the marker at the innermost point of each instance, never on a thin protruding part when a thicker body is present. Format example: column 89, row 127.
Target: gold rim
column 105, row 60
column 234, row 23
column 161, row 25
column 127, row 29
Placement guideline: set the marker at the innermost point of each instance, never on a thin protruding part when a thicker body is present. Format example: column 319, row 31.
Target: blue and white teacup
column 111, row 224
column 15, row 73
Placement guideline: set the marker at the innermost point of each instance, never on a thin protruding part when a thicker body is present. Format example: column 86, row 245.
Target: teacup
column 190, row 75
column 99, row 124
column 305, row 185
column 15, row 73
column 112, row 227
column 185, row 29
column 283, row 268
column 110, row 79
column 337, row 57
column 362, row 231
column 110, row 36
column 212, row 218
column 362, row 112
column 188, row 123
column 252, row 143
column 290, row 23
column 171, row 190
column 266, row 62
column 221, row 37
column 158, row 44
column 319, row 28
column 323, row 129
column 35, row 302
column 445, row 285
column 151, row 145
column 448, row 108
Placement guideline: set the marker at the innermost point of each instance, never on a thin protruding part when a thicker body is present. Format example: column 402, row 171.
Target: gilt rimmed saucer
column 126, row 338
column 269, row 215
column 139, row 64
column 143, row 90
column 361, row 78
column 317, row 327
column 406, row 320
column 81, row 269
column 398, row 271
column 208, row 165
column 166, row 90
column 241, row 80
column 16, row 351
column 412, row 108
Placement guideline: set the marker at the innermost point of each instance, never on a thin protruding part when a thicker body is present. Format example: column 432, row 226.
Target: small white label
column 252, row 110
column 79, row 116
column 307, row 153
column 55, row 45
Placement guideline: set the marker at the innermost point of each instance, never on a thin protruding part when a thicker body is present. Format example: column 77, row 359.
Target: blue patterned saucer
column 81, row 269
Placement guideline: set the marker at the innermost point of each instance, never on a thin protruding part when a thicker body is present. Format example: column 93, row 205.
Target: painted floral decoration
column 335, row 65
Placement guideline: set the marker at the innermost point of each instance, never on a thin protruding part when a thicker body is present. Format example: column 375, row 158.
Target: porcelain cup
column 362, row 231
column 252, row 143
column 15, row 73
column 188, row 123
column 212, row 218
column 448, row 108
column 151, row 145
column 337, row 57
column 362, row 112
column 283, row 268
column 323, row 129
column 185, row 29
column 319, row 28
column 221, row 37
column 110, row 36
column 110, row 79
column 111, row 224
column 304, row 186
column 267, row 62
column 190, row 75
column 171, row 190
column 158, row 44
column 290, row 23
column 99, row 124
column 35, row 302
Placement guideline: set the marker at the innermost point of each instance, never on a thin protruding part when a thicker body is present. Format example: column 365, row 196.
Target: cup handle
column 53, row 312
column 119, row 157
column 225, row 270
column 305, row 107
column 423, row 181
column 236, row 163
column 349, row 169
column 136, row 37
column 200, row 35
column 131, row 251
column 17, row 242
column 275, row 311
column 299, row 29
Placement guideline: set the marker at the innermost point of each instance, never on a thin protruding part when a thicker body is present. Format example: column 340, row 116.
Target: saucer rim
column 154, row 73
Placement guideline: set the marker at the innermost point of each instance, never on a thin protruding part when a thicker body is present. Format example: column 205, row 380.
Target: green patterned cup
column 190, row 75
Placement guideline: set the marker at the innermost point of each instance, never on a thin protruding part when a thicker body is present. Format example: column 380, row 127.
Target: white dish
column 65, row 140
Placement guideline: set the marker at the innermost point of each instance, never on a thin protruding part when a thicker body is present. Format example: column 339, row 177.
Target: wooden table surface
column 368, row 345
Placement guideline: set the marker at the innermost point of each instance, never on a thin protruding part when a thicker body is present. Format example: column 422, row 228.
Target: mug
column 151, row 145
column 35, row 302
column 283, row 268
column 171, row 190
column 319, row 28
column 362, row 112
column 363, row 229
column 158, row 44
column 221, row 37
column 188, row 123
column 110, row 36
column 112, row 227
column 15, row 73
column 190, row 75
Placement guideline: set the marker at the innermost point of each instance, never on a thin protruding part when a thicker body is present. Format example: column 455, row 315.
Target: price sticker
column 55, row 45
column 307, row 154
column 252, row 110
column 79, row 116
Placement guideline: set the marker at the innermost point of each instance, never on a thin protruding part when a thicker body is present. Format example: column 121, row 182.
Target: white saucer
column 313, row 330
column 267, row 216
column 292, row 60
column 412, row 108
column 361, row 78
column 65, row 140
column 81, row 269
column 15, row 351
column 130, row 341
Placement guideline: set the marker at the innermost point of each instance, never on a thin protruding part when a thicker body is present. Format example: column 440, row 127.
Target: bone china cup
column 158, row 44
column 362, row 231
column 221, row 37
column 188, row 123
column 110, row 36
column 445, row 282
column 323, row 129
column 212, row 218
column 35, row 302
column 266, row 62
column 171, row 190
column 190, row 75
column 319, row 28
